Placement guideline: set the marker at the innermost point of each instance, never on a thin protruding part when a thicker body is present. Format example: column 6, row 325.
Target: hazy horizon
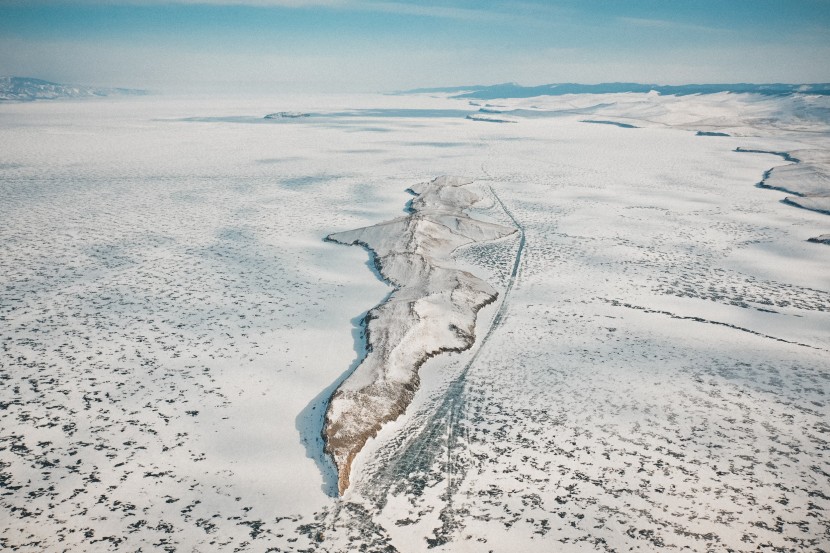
column 358, row 46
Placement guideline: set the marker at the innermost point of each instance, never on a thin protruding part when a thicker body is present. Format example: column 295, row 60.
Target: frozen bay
column 172, row 323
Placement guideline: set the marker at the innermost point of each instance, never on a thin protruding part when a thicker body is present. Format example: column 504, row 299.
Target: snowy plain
column 654, row 374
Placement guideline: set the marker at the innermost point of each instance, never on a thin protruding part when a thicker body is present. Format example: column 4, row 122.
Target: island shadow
column 311, row 420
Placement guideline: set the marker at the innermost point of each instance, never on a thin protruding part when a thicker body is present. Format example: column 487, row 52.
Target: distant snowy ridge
column 432, row 310
column 513, row 90
column 26, row 89
column 488, row 118
column 806, row 177
column 287, row 115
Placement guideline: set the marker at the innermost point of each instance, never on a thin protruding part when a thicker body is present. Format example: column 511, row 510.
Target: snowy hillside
column 513, row 90
column 25, row 89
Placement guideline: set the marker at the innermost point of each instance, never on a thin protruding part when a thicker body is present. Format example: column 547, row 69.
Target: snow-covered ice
column 653, row 373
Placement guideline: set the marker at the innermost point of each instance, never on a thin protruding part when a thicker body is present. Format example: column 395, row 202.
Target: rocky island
column 432, row 310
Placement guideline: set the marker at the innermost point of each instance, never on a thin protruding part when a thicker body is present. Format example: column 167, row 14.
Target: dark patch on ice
column 516, row 139
column 437, row 144
column 367, row 129
column 270, row 160
column 822, row 239
column 487, row 119
column 307, row 180
column 710, row 133
column 287, row 115
column 785, row 155
column 616, row 124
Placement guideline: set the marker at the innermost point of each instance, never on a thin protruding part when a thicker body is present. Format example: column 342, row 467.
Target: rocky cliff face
column 432, row 310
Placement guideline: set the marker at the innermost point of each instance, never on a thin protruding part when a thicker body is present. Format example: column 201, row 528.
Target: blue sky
column 360, row 45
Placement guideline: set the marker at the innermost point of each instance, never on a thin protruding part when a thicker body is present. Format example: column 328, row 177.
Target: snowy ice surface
column 653, row 374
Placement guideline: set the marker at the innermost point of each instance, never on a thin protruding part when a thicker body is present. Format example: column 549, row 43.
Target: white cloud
column 445, row 12
column 667, row 25
column 251, row 3
column 381, row 6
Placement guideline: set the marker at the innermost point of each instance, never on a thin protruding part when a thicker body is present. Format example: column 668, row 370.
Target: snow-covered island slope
column 806, row 176
column 432, row 310
column 513, row 90
column 808, row 180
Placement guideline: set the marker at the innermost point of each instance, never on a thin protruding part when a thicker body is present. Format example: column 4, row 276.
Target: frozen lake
column 172, row 324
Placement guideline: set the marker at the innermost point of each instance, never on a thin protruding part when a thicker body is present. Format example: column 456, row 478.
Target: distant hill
column 513, row 90
column 25, row 89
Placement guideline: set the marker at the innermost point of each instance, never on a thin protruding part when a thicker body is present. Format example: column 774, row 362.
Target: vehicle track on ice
column 454, row 402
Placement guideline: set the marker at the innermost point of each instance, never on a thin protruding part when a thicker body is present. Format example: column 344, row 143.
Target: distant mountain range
column 26, row 89
column 513, row 90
